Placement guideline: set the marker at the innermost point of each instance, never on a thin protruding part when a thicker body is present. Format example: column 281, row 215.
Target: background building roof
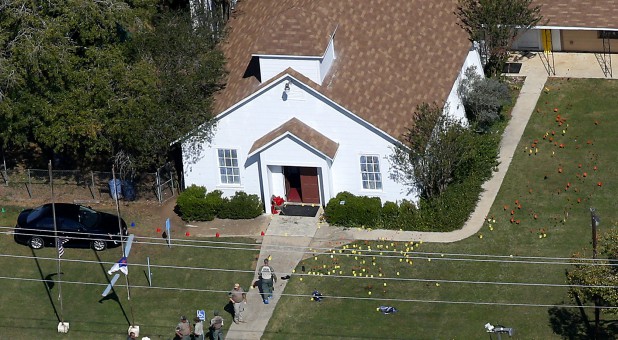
column 391, row 55
column 580, row 13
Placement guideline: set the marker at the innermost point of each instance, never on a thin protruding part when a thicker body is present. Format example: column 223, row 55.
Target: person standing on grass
column 216, row 326
column 267, row 278
column 183, row 329
column 198, row 329
column 238, row 297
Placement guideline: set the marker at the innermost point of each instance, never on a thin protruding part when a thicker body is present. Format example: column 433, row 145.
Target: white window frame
column 369, row 173
column 229, row 163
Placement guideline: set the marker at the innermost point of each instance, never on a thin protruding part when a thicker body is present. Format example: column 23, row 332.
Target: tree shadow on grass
column 568, row 323
column 573, row 324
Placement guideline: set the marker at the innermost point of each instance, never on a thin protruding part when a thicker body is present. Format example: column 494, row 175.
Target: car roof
column 63, row 209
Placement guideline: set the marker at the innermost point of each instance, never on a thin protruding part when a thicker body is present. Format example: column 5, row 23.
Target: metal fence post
column 5, row 174
column 158, row 186
column 172, row 180
column 29, row 184
column 91, row 186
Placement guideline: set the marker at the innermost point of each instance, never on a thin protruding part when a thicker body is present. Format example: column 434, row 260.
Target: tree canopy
column 595, row 283
column 602, row 277
column 496, row 23
column 431, row 151
column 87, row 79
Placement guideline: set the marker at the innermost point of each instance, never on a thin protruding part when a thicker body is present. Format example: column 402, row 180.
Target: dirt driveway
column 151, row 217
column 147, row 217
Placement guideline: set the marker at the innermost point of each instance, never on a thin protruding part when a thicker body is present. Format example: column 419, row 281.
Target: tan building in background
column 573, row 26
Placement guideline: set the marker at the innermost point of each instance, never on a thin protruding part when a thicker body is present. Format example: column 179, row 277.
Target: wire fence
column 88, row 186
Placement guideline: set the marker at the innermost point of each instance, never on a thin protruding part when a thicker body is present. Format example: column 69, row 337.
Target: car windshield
column 37, row 213
column 88, row 217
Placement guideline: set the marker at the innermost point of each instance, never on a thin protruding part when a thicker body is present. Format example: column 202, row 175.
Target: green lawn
column 572, row 167
column 534, row 180
column 29, row 308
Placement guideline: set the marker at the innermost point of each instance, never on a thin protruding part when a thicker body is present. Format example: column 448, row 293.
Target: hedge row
column 445, row 213
column 195, row 204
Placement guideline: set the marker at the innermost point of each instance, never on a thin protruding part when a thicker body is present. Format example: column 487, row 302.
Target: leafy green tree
column 189, row 67
column 496, row 23
column 87, row 79
column 65, row 73
column 431, row 152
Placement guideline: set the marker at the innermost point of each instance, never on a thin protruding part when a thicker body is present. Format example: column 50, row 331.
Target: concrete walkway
column 287, row 238
column 286, row 241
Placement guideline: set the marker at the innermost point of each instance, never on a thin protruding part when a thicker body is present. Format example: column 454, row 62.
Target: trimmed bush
column 194, row 204
column 349, row 210
column 335, row 211
column 242, row 206
column 191, row 205
column 390, row 214
column 215, row 202
column 193, row 191
column 407, row 217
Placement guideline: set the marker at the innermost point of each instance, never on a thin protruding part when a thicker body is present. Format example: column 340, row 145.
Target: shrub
column 193, row 191
column 483, row 98
column 194, row 204
column 215, row 202
column 407, row 217
column 479, row 156
column 191, row 205
column 446, row 212
column 451, row 210
column 242, row 206
column 349, row 210
column 390, row 213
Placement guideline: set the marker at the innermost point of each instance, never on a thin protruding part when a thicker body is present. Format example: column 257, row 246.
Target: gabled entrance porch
column 295, row 162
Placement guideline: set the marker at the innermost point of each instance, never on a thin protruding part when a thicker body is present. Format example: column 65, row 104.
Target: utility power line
column 416, row 255
column 317, row 274
column 381, row 300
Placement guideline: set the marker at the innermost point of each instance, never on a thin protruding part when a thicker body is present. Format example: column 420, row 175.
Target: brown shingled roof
column 288, row 34
column 580, row 13
column 391, row 54
column 302, row 131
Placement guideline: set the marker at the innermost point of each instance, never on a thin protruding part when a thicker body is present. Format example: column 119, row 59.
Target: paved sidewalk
column 287, row 238
column 286, row 241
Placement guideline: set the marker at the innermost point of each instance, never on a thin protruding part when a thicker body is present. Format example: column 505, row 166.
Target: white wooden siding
column 246, row 123
column 270, row 66
column 327, row 60
column 454, row 106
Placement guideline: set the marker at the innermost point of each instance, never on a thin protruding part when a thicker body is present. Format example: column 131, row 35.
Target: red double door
column 301, row 184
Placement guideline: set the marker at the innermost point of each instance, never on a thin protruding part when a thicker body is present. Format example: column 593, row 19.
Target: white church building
column 320, row 92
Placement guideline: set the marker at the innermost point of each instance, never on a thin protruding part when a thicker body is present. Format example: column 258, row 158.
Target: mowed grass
column 547, row 196
column 29, row 307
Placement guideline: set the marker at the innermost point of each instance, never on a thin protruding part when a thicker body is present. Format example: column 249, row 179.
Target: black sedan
column 77, row 226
